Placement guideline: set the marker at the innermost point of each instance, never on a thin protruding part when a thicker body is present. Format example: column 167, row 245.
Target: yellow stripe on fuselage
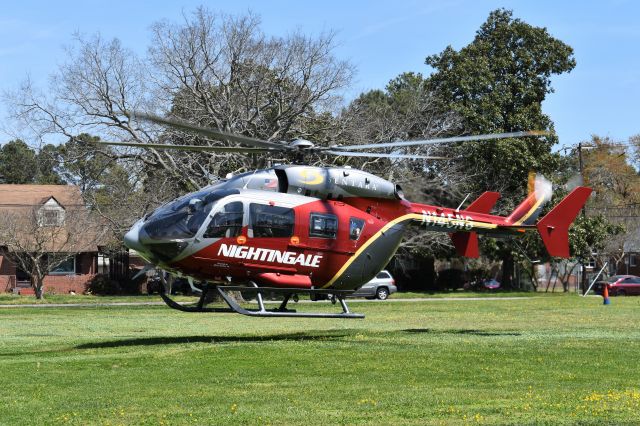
column 410, row 216
column 530, row 212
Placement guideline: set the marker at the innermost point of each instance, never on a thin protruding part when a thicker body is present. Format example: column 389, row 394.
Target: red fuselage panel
column 281, row 261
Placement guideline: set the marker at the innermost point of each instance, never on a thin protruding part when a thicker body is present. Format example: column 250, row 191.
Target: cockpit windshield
column 183, row 217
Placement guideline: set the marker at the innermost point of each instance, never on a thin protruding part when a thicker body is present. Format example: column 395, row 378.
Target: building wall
column 630, row 265
column 86, row 263
column 59, row 284
column 62, row 284
column 7, row 271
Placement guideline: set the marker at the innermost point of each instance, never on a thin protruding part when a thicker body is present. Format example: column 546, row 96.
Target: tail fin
column 554, row 227
column 484, row 203
column 527, row 212
column 466, row 243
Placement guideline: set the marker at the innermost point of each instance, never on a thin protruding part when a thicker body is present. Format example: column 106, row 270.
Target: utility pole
column 581, row 167
column 583, row 278
column 583, row 272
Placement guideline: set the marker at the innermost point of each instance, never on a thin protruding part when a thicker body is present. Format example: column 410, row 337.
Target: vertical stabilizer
column 554, row 227
column 466, row 244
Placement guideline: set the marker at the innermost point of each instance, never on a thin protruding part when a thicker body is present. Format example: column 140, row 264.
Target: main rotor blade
column 381, row 155
column 444, row 140
column 188, row 147
column 211, row 133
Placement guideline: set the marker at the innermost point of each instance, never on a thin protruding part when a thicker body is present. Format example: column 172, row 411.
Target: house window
column 633, row 261
column 323, row 225
column 271, row 221
column 51, row 217
column 68, row 267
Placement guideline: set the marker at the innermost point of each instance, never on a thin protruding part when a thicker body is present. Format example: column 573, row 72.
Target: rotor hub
column 301, row 144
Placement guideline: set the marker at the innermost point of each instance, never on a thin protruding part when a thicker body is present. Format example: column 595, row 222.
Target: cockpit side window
column 355, row 228
column 271, row 221
column 227, row 222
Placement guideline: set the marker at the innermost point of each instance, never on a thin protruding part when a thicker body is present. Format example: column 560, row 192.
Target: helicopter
column 297, row 229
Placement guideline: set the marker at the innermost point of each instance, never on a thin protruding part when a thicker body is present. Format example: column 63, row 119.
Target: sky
column 381, row 38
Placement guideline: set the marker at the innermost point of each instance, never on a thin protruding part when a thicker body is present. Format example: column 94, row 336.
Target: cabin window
column 323, row 225
column 227, row 222
column 355, row 228
column 269, row 221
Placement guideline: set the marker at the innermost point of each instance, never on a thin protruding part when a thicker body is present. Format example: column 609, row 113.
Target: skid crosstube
column 280, row 311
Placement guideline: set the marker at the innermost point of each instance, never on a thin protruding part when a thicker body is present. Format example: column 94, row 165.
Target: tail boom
column 465, row 225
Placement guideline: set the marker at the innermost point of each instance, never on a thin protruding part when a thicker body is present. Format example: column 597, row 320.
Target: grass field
column 530, row 361
column 11, row 299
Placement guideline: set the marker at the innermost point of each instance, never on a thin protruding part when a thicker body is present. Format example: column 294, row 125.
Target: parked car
column 619, row 285
column 380, row 287
column 491, row 284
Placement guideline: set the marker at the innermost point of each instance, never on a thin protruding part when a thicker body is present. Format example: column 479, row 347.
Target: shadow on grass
column 176, row 340
column 462, row 331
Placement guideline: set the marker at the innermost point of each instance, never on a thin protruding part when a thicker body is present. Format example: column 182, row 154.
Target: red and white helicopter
column 324, row 231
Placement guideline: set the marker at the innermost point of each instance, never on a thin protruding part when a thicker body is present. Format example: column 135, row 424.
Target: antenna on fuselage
column 465, row 199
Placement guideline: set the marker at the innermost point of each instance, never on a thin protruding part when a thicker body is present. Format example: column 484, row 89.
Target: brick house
column 52, row 206
column 630, row 264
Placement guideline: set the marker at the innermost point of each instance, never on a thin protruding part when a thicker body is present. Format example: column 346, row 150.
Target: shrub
column 101, row 285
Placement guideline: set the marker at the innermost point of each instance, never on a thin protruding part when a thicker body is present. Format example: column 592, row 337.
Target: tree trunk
column 583, row 277
column 531, row 273
column 38, row 287
column 507, row 272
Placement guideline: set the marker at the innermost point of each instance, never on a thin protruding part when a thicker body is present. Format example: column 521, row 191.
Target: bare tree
column 214, row 70
column 634, row 141
column 38, row 245
column 223, row 71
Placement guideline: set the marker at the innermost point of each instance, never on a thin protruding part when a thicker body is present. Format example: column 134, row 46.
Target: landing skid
column 280, row 311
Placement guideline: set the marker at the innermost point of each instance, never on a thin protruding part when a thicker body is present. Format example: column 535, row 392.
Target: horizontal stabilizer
column 466, row 243
column 554, row 227
column 484, row 203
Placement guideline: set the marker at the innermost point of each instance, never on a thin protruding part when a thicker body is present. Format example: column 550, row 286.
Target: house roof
column 78, row 233
column 14, row 196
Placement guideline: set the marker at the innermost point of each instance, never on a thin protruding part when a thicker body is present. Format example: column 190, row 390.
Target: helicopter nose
column 132, row 238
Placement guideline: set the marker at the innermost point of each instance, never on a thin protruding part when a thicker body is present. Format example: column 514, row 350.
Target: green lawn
column 465, row 294
column 530, row 361
column 11, row 299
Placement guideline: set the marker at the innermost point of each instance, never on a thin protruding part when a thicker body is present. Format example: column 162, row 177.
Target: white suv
column 380, row 287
